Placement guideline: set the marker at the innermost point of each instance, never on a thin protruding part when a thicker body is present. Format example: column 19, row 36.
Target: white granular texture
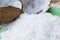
column 33, row 27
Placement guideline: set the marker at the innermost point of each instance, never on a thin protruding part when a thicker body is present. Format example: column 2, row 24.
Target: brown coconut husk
column 8, row 14
column 55, row 1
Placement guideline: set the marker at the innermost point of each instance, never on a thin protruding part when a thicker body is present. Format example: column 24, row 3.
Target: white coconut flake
column 33, row 27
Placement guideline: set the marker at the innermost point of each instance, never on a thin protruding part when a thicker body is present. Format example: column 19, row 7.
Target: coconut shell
column 8, row 14
column 54, row 1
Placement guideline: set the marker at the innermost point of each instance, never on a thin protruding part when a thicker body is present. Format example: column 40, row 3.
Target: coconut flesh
column 34, row 6
column 14, row 3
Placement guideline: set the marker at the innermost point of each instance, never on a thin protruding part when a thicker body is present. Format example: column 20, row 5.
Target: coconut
column 54, row 1
column 9, row 10
column 36, row 6
column 57, row 5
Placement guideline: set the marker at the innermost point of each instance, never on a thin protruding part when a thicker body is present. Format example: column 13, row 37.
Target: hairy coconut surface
column 8, row 14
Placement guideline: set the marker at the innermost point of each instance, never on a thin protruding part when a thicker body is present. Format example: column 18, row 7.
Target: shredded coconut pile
column 33, row 27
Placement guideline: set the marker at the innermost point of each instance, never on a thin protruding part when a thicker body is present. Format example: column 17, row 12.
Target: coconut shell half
column 9, row 13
